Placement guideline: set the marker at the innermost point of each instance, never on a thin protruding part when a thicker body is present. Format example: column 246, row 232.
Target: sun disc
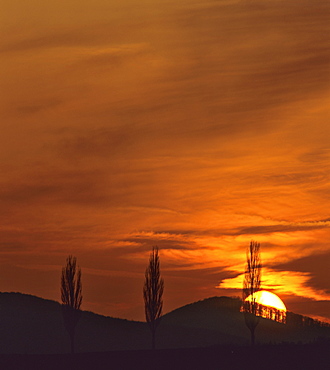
column 269, row 299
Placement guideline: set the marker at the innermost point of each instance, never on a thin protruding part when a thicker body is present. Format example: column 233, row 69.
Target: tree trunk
column 72, row 342
column 252, row 337
column 153, row 339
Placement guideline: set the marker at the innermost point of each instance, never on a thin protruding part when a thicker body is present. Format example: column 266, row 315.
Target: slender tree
column 71, row 295
column 153, row 294
column 252, row 283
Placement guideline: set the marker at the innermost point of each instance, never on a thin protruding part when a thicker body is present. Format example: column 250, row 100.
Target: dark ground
column 284, row 356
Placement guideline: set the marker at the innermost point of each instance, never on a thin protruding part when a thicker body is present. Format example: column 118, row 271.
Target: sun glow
column 269, row 299
column 268, row 305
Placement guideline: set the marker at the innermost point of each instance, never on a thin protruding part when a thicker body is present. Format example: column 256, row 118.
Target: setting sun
column 269, row 299
column 269, row 306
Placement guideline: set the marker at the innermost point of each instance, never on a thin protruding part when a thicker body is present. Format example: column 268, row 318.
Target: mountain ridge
column 31, row 324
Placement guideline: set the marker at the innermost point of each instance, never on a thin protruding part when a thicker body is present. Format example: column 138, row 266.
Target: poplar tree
column 71, row 295
column 153, row 294
column 252, row 283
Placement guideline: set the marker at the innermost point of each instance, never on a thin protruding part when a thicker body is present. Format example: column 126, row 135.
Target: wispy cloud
column 285, row 227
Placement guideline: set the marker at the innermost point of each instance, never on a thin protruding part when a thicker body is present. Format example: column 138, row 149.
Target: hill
column 225, row 324
column 29, row 324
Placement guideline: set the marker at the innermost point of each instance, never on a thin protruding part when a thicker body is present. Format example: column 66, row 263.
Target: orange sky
column 192, row 125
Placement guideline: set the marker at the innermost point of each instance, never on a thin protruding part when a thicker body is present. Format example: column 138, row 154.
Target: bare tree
column 153, row 293
column 251, row 285
column 71, row 295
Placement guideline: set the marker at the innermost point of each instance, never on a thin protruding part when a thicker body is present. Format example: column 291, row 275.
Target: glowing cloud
column 285, row 282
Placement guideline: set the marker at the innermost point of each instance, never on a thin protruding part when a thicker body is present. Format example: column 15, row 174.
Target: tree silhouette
column 252, row 282
column 153, row 293
column 71, row 295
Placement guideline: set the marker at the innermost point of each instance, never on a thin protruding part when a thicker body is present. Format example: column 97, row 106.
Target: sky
column 195, row 126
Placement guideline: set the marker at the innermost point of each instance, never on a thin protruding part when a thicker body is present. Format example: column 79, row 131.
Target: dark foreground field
column 311, row 356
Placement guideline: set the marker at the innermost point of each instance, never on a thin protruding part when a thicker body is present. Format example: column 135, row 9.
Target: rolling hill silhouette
column 29, row 324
